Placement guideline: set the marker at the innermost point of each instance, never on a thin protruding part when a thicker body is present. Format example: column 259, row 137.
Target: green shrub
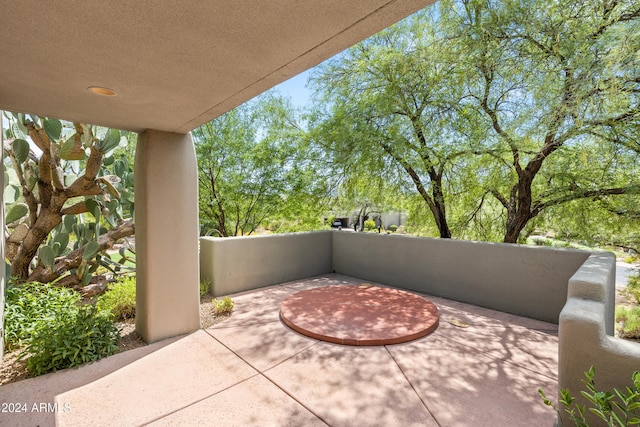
column 369, row 224
column 541, row 241
column 205, row 287
column 71, row 340
column 31, row 304
column 628, row 322
column 620, row 408
column 633, row 287
column 120, row 299
column 223, row 306
column 54, row 329
column 392, row 228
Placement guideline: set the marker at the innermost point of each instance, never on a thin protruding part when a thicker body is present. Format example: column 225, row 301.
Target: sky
column 295, row 88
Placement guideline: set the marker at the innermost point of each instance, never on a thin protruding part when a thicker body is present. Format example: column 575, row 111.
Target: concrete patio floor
column 254, row 370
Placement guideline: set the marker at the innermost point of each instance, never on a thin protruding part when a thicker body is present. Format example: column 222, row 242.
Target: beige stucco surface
column 174, row 65
column 237, row 264
column 586, row 332
column 528, row 281
column 166, row 215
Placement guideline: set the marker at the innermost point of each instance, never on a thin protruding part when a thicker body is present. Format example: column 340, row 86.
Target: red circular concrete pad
column 360, row 315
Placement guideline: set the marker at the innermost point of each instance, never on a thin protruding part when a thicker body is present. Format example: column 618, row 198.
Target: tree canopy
column 496, row 111
column 254, row 170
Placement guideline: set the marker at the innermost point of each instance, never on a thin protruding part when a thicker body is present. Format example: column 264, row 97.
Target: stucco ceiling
column 174, row 64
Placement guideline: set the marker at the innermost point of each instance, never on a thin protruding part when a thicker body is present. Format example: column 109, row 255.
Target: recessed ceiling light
column 99, row 90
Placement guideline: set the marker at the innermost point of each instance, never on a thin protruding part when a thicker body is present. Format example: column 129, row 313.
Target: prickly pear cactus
column 68, row 197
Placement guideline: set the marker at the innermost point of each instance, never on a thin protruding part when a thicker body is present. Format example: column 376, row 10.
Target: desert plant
column 620, row 408
column 223, row 306
column 47, row 196
column 66, row 341
column 31, row 304
column 120, row 299
column 633, row 287
column 628, row 322
column 369, row 224
column 205, row 287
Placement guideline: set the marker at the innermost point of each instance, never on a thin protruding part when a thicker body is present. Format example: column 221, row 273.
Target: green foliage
column 619, row 408
column 392, row 228
column 120, row 299
column 223, row 306
column 254, row 169
column 54, row 329
column 81, row 169
column 540, row 241
column 509, row 114
column 633, row 287
column 369, row 224
column 81, row 336
column 205, row 287
column 628, row 322
column 30, row 305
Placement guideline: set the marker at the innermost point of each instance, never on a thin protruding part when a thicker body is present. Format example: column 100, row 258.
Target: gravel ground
column 12, row 369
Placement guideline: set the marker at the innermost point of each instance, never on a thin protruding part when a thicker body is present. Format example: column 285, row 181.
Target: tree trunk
column 439, row 210
column 73, row 260
column 46, row 222
column 519, row 206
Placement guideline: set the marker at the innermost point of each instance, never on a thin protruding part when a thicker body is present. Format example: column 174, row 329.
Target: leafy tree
column 254, row 169
column 57, row 173
column 389, row 112
column 543, row 79
column 483, row 106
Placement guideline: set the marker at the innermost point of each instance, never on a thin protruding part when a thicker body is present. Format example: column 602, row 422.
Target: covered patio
column 164, row 70
column 254, row 370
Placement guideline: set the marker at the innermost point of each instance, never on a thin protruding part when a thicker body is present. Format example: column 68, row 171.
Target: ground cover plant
column 50, row 328
column 223, row 306
column 119, row 301
column 55, row 329
column 29, row 305
column 83, row 335
column 633, row 288
column 628, row 322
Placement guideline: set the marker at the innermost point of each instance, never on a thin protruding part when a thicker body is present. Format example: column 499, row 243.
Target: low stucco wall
column 235, row 264
column 586, row 332
column 524, row 280
column 573, row 288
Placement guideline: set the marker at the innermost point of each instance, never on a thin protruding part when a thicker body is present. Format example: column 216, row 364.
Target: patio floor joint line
column 262, row 374
column 412, row 387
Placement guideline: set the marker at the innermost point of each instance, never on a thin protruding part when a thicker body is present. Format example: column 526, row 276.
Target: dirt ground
column 12, row 369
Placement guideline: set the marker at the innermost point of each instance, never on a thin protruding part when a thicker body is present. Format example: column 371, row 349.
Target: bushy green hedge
column 31, row 304
column 82, row 336
column 54, row 329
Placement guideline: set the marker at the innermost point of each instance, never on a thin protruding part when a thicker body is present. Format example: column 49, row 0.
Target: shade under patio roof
column 174, row 65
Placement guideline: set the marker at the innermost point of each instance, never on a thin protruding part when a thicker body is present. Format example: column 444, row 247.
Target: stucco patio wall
column 236, row 264
column 573, row 288
column 586, row 332
column 524, row 280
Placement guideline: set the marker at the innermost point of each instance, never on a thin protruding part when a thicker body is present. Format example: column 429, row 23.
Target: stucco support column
column 166, row 217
